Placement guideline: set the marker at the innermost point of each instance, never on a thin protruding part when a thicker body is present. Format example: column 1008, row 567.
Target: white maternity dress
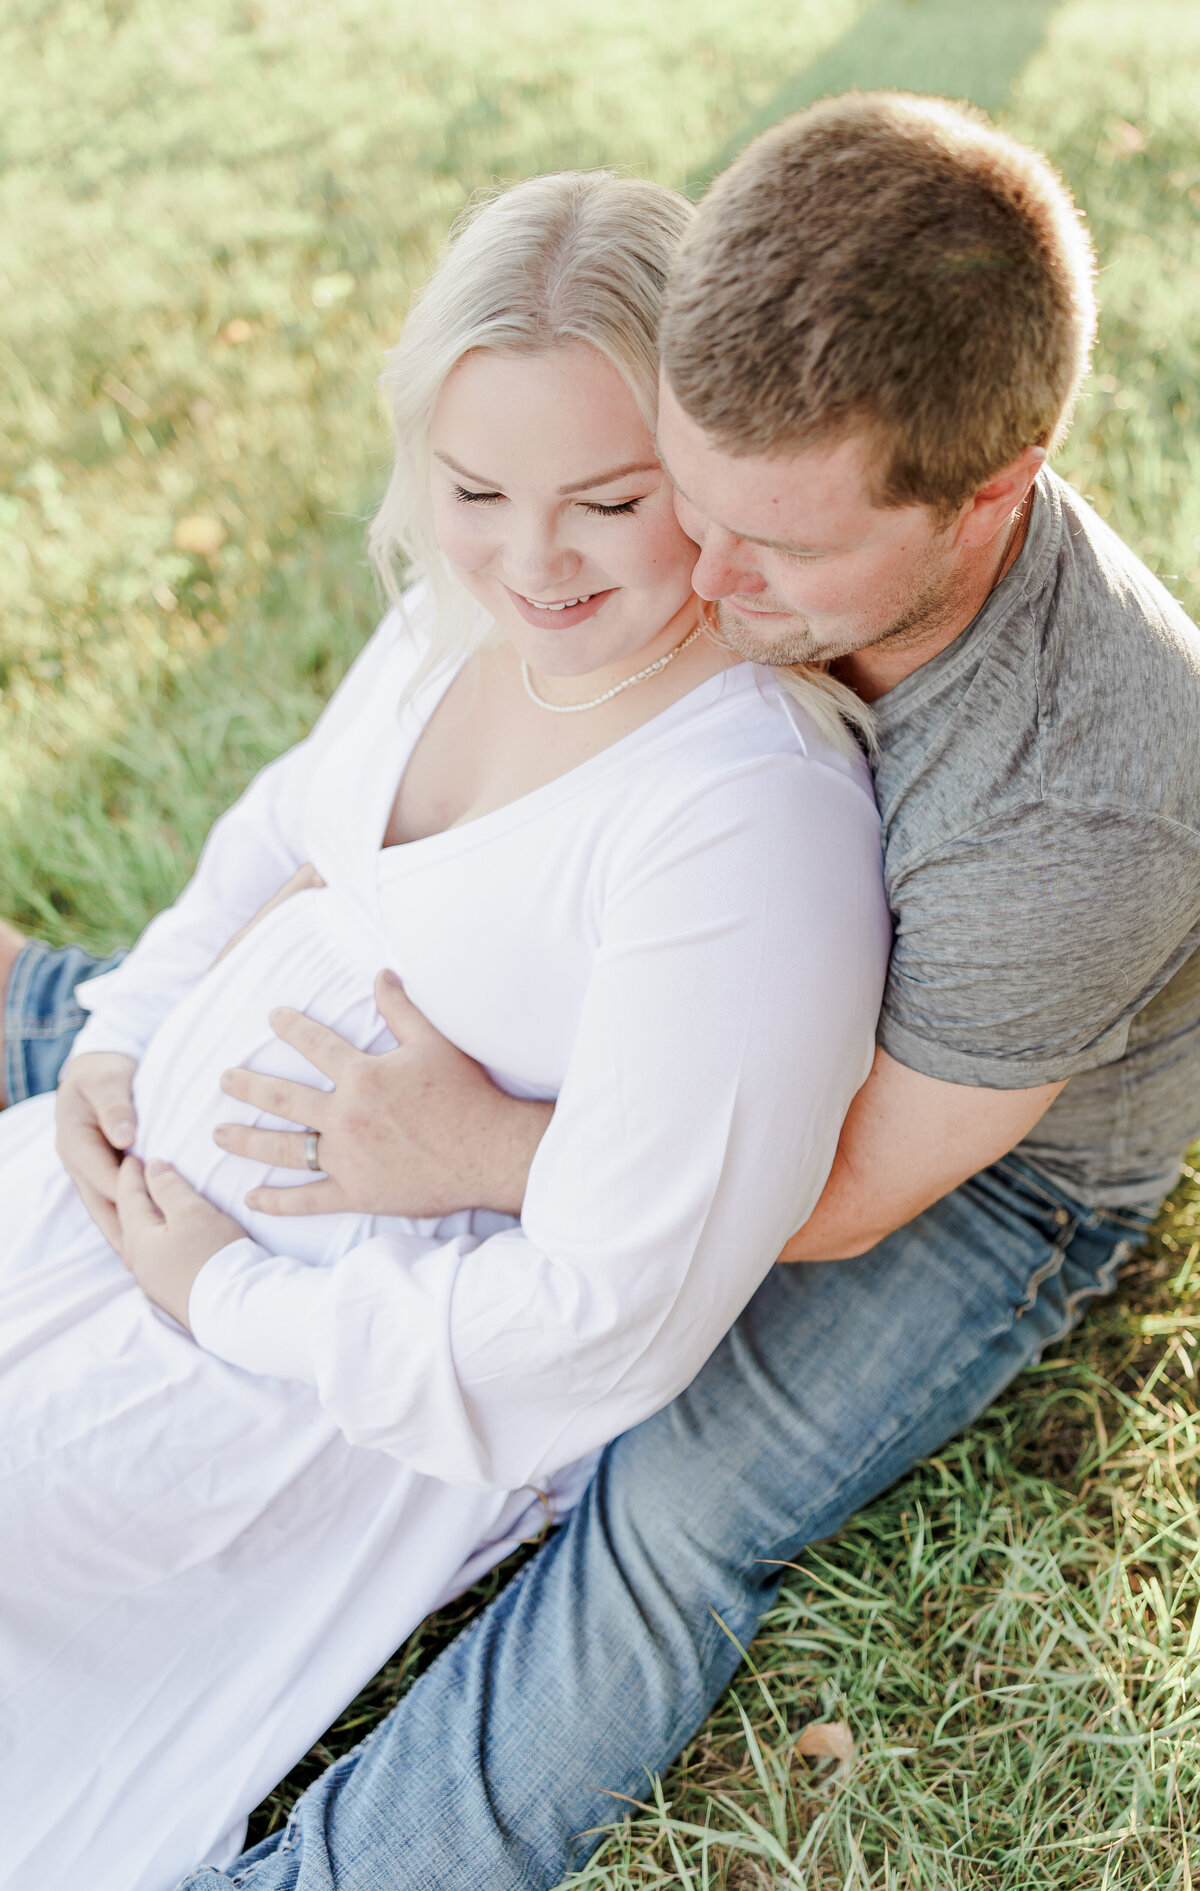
column 208, row 1545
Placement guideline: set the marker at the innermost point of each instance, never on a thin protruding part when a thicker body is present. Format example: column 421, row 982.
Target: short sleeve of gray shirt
column 1026, row 945
column 1039, row 784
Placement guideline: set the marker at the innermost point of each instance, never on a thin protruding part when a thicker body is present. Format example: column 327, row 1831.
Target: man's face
column 803, row 566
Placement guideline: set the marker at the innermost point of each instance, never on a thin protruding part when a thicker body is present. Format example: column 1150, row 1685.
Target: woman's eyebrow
column 577, row 485
column 606, row 479
column 462, row 471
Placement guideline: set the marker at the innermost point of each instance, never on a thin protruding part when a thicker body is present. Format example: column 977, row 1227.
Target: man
column 874, row 336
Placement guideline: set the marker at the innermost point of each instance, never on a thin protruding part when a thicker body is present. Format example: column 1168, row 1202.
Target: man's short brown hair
column 891, row 266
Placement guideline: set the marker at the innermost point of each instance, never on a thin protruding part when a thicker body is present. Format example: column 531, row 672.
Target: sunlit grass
column 210, row 219
column 1011, row 1635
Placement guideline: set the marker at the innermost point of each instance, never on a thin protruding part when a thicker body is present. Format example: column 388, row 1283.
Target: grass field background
column 210, row 219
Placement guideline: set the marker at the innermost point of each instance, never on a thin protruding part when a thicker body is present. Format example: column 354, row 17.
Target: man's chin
column 779, row 638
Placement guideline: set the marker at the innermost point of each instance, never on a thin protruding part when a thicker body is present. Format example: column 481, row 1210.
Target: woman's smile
column 560, row 615
column 552, row 509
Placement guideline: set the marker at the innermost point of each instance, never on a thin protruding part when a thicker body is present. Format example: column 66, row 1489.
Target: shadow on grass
column 959, row 48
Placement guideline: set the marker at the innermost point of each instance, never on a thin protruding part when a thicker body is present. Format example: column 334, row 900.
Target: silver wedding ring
column 311, row 1158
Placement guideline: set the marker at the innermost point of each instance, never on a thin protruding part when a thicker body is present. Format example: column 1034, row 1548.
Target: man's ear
column 991, row 509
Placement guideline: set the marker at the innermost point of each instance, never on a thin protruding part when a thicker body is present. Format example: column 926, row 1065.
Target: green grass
column 1011, row 1635
column 210, row 219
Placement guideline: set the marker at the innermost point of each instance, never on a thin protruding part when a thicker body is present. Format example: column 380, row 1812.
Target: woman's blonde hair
column 579, row 256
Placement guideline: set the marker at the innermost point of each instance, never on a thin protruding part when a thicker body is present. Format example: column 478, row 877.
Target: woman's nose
column 538, row 562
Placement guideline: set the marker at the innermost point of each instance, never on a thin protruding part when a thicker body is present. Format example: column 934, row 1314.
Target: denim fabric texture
column 42, row 1014
column 605, row 1653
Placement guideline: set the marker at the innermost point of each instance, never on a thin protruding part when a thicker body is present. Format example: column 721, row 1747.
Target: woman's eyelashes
column 587, row 505
column 476, row 498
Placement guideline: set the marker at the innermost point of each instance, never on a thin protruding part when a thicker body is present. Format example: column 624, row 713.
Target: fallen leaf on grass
column 199, row 534
column 828, row 1740
column 1128, row 140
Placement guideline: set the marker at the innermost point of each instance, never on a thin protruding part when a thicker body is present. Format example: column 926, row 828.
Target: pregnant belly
column 311, row 953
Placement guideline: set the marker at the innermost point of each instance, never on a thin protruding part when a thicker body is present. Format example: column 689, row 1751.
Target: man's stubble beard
column 917, row 618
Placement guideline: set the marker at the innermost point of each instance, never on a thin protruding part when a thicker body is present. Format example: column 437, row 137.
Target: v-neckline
column 423, row 706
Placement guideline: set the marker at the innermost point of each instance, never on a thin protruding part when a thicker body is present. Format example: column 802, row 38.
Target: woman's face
column 552, row 508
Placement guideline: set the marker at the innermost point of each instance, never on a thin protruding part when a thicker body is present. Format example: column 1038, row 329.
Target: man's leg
column 39, row 1012
column 596, row 1664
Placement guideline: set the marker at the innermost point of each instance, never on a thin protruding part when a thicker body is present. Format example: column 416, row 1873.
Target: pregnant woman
column 242, row 1455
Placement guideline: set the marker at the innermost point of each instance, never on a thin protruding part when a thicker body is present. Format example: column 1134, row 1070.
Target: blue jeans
column 605, row 1653
column 42, row 1014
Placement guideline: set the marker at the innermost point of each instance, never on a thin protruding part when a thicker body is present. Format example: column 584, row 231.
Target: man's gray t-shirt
column 1039, row 784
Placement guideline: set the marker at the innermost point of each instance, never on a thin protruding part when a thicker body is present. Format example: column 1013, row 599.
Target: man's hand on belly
column 420, row 1130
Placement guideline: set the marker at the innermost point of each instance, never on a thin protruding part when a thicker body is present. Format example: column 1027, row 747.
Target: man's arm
column 908, row 1140
column 423, row 1130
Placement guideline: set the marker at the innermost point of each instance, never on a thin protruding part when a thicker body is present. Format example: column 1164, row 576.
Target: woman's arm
column 727, row 1024
column 253, row 856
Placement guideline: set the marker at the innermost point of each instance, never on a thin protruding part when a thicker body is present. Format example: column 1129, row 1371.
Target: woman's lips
column 558, row 619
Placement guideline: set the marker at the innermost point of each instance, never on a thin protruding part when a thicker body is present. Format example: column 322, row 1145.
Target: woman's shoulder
column 741, row 765
column 753, row 720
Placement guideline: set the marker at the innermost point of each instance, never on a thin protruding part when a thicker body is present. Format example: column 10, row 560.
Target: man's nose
column 726, row 565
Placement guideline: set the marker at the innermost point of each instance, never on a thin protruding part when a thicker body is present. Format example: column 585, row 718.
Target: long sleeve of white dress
column 251, row 851
column 727, row 1022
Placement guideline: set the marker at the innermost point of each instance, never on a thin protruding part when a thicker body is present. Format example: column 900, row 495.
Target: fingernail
column 389, row 977
column 157, row 1167
column 221, row 1136
column 124, row 1127
column 253, row 1199
column 280, row 1011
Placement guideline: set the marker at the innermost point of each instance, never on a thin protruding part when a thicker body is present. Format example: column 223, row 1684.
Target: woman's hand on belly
column 96, row 1124
column 167, row 1232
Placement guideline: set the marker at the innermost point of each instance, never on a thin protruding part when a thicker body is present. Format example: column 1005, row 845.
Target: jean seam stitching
column 19, row 983
column 1023, row 1179
column 1051, row 1266
column 55, row 1026
column 1106, row 1280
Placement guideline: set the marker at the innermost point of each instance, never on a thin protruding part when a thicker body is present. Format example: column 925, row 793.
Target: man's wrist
column 506, row 1154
